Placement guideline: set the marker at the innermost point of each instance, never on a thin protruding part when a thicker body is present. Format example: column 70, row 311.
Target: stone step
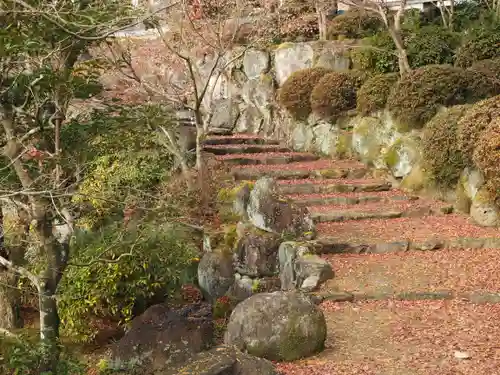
column 407, row 338
column 319, row 169
column 268, row 158
column 456, row 271
column 403, row 234
column 377, row 210
column 238, row 139
column 350, row 198
column 244, row 149
column 332, row 186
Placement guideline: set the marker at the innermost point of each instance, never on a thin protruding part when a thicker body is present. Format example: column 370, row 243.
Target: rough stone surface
column 255, row 62
column 215, row 274
column 483, row 210
column 471, row 180
column 311, row 271
column 162, row 337
column 225, row 114
column 277, row 326
column 291, row 57
column 268, row 212
column 240, row 202
column 257, row 253
column 223, row 360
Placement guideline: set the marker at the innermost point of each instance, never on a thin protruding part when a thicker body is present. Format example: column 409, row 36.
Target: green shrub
column 487, row 157
column 377, row 54
column 295, row 93
column 474, row 122
column 442, row 157
column 118, row 271
column 431, row 45
column 480, row 44
column 354, row 24
column 335, row 94
column 373, row 94
column 416, row 98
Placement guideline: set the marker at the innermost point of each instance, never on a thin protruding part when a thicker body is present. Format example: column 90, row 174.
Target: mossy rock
column 462, row 201
column 402, row 155
column 365, row 141
column 416, row 180
column 227, row 195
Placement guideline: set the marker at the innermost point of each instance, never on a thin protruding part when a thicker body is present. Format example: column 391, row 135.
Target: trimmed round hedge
column 442, row 157
column 487, row 157
column 480, row 44
column 295, row 93
column 416, row 98
column 373, row 94
column 335, row 93
column 489, row 67
column 473, row 124
column 354, row 24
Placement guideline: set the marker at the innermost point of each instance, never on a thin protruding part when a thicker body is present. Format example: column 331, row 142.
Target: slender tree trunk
column 404, row 65
column 49, row 325
column 320, row 10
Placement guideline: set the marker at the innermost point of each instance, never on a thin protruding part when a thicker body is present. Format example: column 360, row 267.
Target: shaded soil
column 406, row 338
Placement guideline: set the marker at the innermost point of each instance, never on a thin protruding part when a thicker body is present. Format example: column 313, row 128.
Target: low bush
column 295, row 93
column 354, row 24
column 431, row 45
column 377, row 54
column 487, row 157
column 373, row 94
column 116, row 272
column 488, row 67
column 442, row 157
column 416, row 98
column 335, row 94
column 480, row 44
column 474, row 122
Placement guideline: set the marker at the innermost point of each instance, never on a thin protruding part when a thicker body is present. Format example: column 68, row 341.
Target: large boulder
column 224, row 116
column 483, row 209
column 223, row 360
column 255, row 62
column 257, row 253
column 268, row 212
column 215, row 274
column 162, row 337
column 282, row 326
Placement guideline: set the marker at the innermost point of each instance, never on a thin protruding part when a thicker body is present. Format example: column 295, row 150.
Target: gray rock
column 255, row 62
column 161, row 338
column 225, row 114
column 215, row 274
column 224, row 360
column 311, row 271
column 240, row 202
column 287, row 254
column 257, row 253
column 483, row 209
column 282, row 326
column 267, row 212
column 335, row 60
column 291, row 57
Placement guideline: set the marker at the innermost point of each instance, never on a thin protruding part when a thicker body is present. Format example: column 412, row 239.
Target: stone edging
column 473, row 297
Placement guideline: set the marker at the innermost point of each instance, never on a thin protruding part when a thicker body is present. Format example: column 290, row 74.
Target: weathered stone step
column 331, row 186
column 350, row 198
column 319, row 169
column 453, row 270
column 269, row 158
column 403, row 234
column 377, row 210
column 244, row 149
column 238, row 139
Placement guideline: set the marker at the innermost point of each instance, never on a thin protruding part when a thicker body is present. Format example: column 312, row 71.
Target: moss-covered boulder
column 215, row 274
column 483, row 209
column 416, row 180
column 403, row 155
column 254, row 326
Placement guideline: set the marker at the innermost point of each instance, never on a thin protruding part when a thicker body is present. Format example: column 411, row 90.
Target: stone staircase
column 388, row 249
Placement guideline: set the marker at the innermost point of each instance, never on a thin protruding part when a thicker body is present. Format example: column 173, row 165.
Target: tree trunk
column 49, row 325
column 10, row 317
column 321, row 20
column 404, row 65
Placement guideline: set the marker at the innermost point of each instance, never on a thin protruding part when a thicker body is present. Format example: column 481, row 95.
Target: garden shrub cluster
column 373, row 94
column 480, row 44
column 416, row 98
column 335, row 94
column 443, row 158
column 473, row 123
column 487, row 157
column 377, row 54
column 295, row 93
column 354, row 24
